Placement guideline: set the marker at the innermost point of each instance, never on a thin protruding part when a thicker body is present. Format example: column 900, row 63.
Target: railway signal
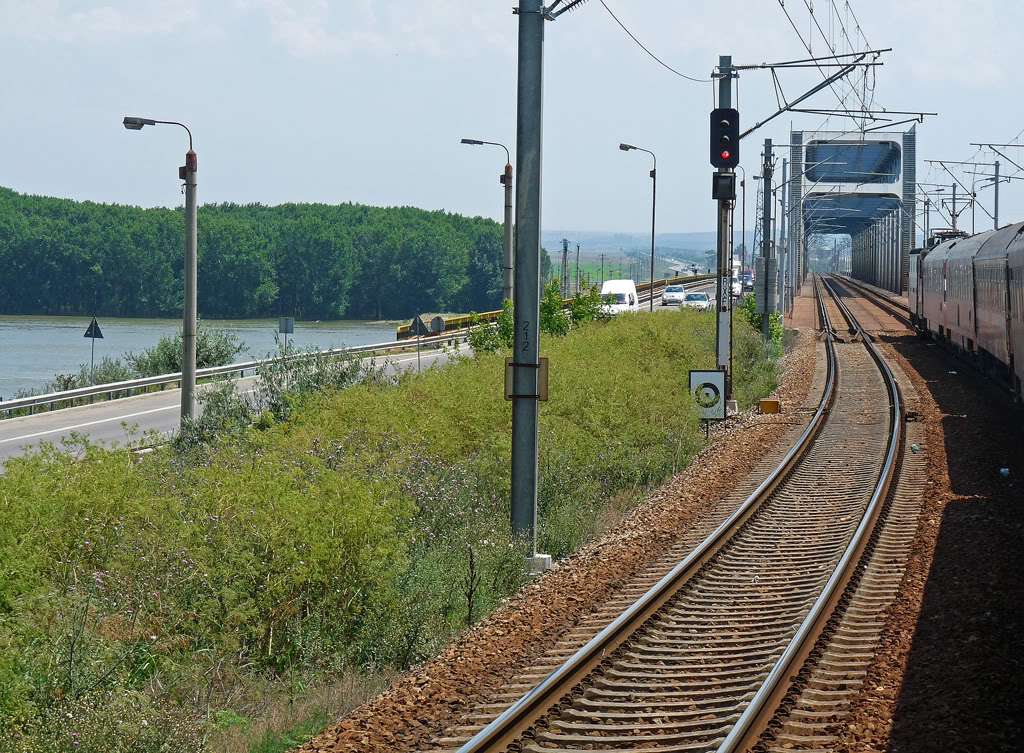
column 725, row 137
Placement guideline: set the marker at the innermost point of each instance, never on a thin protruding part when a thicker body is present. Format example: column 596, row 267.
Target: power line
column 642, row 47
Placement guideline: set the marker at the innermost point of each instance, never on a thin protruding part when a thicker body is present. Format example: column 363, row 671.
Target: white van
column 624, row 296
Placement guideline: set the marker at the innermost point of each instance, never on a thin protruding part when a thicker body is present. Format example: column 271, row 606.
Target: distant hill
column 680, row 246
column 592, row 241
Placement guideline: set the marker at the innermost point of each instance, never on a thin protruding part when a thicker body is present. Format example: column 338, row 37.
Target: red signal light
column 725, row 154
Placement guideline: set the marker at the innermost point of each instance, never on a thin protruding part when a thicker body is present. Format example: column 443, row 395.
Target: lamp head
column 475, row 142
column 135, row 124
column 626, row 147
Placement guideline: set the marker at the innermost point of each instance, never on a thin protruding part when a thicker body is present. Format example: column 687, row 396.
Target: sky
column 366, row 101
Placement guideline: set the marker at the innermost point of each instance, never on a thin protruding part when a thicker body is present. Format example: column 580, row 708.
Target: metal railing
column 128, row 386
column 455, row 328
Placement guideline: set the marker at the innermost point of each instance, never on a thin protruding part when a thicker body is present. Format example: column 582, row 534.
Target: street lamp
column 743, row 242
column 506, row 180
column 186, row 172
column 654, row 197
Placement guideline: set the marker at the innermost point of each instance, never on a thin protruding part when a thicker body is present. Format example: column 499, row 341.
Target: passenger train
column 969, row 293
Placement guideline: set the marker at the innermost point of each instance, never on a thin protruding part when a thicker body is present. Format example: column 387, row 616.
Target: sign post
column 286, row 326
column 93, row 331
column 708, row 390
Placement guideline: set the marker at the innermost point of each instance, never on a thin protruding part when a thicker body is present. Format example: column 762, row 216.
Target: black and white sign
column 708, row 390
column 93, row 330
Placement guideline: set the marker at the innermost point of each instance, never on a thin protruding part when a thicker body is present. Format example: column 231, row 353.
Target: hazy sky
column 365, row 101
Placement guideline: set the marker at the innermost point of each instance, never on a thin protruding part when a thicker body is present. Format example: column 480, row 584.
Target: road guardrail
column 111, row 389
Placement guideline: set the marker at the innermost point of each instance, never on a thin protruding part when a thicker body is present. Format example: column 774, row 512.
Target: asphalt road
column 106, row 422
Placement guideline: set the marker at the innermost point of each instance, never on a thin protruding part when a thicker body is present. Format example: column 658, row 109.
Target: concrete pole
column 995, row 213
column 766, row 235
column 506, row 179
column 188, row 339
column 526, row 364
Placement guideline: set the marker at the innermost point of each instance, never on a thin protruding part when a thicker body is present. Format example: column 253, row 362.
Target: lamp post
column 187, row 172
column 506, row 180
column 654, row 203
column 743, row 222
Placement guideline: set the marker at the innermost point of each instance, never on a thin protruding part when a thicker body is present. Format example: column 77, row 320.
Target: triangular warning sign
column 419, row 327
column 94, row 330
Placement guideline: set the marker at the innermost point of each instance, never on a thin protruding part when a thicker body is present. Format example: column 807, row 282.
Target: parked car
column 619, row 296
column 673, row 295
column 699, row 301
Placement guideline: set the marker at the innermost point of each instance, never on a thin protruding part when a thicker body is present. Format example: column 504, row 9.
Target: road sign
column 286, row 325
column 418, row 326
column 93, row 330
column 708, row 389
column 437, row 324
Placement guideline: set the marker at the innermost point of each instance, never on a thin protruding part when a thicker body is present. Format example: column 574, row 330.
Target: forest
column 311, row 261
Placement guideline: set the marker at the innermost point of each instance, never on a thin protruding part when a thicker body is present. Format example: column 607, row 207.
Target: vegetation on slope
column 144, row 603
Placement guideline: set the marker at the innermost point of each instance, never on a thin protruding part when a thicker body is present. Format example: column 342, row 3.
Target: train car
column 915, row 288
column 1015, row 281
column 949, row 269
column 992, row 304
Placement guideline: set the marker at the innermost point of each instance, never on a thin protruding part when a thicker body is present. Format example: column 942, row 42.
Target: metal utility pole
column 565, row 268
column 927, row 217
column 766, row 242
column 783, row 245
column 187, row 173
column 654, row 205
column 577, row 267
column 953, row 214
column 995, row 213
column 505, row 179
column 526, row 350
column 188, row 376
column 723, row 319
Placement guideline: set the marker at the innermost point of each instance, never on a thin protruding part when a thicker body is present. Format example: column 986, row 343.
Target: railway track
column 714, row 654
column 895, row 309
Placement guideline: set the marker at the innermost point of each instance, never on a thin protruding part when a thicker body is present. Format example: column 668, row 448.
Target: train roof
column 999, row 241
column 958, row 248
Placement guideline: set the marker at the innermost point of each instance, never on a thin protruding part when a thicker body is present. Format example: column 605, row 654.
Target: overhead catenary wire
column 644, row 48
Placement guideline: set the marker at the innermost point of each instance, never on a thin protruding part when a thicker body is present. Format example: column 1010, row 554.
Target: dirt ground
column 948, row 675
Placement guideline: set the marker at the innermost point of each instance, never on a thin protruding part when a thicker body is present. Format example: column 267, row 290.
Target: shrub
column 352, row 527
column 747, row 309
column 214, row 347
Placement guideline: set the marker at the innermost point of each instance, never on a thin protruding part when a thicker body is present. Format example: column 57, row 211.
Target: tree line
column 311, row 261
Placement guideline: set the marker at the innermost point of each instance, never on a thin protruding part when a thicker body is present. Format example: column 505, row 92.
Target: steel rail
column 877, row 299
column 772, row 693
column 523, row 714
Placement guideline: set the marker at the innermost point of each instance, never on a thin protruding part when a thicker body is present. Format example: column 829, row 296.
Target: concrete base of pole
column 538, row 564
column 731, row 407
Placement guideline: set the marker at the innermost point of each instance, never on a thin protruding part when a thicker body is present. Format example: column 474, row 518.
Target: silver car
column 699, row 301
column 673, row 295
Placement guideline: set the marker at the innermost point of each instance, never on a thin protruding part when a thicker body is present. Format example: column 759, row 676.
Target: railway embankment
column 206, row 599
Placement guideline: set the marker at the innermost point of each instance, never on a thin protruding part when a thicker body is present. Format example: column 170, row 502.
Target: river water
column 35, row 348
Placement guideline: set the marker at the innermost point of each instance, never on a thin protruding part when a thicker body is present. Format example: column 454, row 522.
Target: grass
column 352, row 534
